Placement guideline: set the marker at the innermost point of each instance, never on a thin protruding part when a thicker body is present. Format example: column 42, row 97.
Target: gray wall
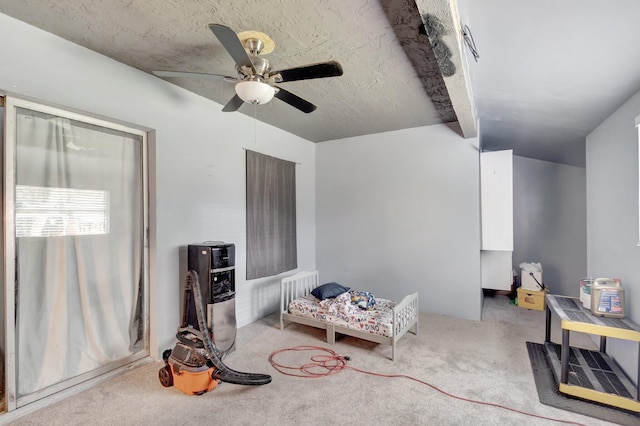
column 612, row 214
column 398, row 212
column 199, row 160
column 549, row 209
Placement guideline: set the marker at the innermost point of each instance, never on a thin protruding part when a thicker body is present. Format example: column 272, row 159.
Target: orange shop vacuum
column 195, row 364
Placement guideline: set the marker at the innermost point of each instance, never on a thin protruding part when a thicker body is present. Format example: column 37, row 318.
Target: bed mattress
column 340, row 311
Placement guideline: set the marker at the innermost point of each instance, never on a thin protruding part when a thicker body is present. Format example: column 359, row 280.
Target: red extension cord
column 330, row 362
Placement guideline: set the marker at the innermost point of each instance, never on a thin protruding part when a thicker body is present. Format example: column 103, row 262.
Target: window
column 271, row 215
column 45, row 211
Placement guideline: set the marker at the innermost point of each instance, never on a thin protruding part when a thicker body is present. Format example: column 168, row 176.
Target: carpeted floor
column 477, row 360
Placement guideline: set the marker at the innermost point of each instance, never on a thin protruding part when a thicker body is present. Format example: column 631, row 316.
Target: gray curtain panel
column 271, row 215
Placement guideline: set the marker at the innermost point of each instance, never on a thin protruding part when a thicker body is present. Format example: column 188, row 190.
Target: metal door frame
column 44, row 396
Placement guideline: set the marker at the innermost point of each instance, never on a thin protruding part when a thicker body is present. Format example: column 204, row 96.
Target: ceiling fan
column 256, row 81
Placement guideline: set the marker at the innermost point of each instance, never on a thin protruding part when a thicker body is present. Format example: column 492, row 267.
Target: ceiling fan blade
column 233, row 105
column 191, row 74
column 295, row 101
column 320, row 70
column 232, row 43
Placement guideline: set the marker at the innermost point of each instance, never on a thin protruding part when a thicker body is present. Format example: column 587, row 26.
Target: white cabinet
column 496, row 199
column 497, row 273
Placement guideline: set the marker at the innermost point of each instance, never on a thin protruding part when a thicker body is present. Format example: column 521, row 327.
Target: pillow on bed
column 329, row 290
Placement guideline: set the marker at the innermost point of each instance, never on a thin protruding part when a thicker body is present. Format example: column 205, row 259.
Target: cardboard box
column 531, row 299
column 528, row 282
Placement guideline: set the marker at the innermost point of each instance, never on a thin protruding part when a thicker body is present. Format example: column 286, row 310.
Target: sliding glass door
column 76, row 191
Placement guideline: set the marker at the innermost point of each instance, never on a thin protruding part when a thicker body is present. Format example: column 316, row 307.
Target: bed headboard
column 297, row 285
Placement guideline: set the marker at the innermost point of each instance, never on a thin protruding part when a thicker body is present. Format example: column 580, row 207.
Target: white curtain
column 79, row 272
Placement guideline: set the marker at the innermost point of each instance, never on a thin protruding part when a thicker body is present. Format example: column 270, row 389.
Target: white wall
column 398, row 212
column 198, row 153
column 550, row 221
column 612, row 214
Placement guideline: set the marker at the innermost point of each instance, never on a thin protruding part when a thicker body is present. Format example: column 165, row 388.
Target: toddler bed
column 375, row 319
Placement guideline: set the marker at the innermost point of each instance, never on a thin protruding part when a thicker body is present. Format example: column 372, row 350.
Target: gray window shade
column 271, row 215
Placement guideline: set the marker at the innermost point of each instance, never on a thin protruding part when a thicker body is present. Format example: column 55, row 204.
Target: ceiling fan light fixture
column 255, row 92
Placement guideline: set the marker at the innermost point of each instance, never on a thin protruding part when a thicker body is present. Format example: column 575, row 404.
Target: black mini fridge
column 215, row 264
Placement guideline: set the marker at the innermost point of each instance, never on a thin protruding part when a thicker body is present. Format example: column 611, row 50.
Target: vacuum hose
column 213, row 354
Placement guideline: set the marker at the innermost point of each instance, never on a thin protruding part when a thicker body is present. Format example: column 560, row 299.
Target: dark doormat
column 549, row 394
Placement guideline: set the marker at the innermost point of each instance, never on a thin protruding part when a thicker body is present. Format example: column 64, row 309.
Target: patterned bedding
column 340, row 311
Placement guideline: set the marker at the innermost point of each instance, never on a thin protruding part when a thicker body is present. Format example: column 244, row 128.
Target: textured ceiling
column 549, row 71
column 382, row 89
